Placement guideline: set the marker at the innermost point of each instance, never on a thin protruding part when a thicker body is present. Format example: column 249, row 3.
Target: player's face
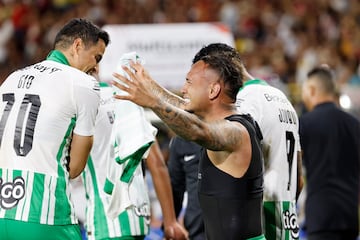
column 197, row 87
column 88, row 58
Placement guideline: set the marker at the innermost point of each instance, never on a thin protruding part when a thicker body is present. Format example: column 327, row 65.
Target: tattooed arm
column 166, row 95
column 220, row 135
column 159, row 91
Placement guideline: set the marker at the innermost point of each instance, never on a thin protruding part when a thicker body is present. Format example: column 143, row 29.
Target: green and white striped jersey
column 279, row 125
column 40, row 107
column 113, row 118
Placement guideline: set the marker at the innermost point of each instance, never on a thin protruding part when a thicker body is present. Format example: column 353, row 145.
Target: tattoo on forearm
column 182, row 123
column 167, row 96
column 190, row 127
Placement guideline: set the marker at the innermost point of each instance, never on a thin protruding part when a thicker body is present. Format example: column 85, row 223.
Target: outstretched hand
column 138, row 87
column 175, row 232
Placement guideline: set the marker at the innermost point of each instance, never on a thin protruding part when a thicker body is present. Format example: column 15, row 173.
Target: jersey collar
column 104, row 84
column 253, row 81
column 57, row 56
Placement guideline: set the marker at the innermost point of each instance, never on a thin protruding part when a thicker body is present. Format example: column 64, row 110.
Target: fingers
column 135, row 83
column 175, row 233
column 169, row 233
column 122, row 84
column 122, row 78
column 138, row 68
column 128, row 80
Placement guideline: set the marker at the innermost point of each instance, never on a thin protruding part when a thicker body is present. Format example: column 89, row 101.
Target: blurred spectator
column 287, row 37
column 330, row 140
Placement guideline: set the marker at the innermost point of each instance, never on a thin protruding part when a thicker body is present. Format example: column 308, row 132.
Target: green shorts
column 18, row 230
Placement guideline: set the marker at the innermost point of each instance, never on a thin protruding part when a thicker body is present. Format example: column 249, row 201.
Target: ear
column 312, row 90
column 77, row 45
column 214, row 91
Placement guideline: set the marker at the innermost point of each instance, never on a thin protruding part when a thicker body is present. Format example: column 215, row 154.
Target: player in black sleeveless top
column 231, row 171
column 232, row 206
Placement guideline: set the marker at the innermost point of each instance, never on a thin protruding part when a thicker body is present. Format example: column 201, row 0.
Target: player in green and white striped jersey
column 121, row 153
column 98, row 224
column 279, row 124
column 47, row 118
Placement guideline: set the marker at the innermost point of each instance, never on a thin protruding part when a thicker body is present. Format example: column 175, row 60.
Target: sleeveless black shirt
column 232, row 206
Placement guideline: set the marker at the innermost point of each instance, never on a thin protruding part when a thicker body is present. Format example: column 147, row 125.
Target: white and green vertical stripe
column 47, row 196
column 46, row 200
column 280, row 220
column 98, row 225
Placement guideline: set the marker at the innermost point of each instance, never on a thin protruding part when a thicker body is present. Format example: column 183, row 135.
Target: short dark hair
column 227, row 62
column 216, row 48
column 80, row 28
column 229, row 71
column 325, row 77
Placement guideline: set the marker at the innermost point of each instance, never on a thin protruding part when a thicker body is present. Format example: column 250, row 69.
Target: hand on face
column 138, row 86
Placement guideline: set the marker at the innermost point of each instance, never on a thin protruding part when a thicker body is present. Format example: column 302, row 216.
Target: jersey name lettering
column 287, row 116
column 25, row 81
column 43, row 68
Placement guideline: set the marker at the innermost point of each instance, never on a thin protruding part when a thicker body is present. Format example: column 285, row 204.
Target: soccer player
column 231, row 166
column 47, row 118
column 279, row 125
column 121, row 141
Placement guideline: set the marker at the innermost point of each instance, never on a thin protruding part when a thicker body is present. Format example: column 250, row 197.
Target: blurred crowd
column 280, row 40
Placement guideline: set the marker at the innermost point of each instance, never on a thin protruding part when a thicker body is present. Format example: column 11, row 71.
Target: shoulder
column 309, row 121
column 248, row 122
column 351, row 118
column 62, row 69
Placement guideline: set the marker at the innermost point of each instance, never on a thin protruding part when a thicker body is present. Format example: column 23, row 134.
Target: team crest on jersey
column 11, row 192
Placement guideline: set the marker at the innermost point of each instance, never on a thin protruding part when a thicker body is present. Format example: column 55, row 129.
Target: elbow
column 75, row 172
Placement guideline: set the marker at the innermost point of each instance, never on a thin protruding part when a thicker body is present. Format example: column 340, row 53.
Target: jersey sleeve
column 87, row 100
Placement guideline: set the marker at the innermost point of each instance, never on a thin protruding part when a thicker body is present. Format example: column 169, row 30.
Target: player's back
column 279, row 124
column 39, row 110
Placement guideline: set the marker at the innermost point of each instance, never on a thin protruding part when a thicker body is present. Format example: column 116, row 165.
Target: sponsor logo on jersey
column 189, row 157
column 275, row 98
column 143, row 211
column 290, row 223
column 11, row 192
